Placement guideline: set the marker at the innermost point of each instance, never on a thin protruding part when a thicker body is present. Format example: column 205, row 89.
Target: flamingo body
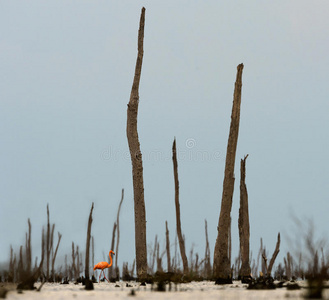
column 104, row 265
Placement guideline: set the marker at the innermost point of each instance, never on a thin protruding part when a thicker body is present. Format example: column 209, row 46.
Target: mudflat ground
column 133, row 290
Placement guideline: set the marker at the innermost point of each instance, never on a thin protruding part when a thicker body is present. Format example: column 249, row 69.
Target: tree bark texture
column 222, row 265
column 244, row 227
column 168, row 249
column 90, row 221
column 178, row 221
column 136, row 159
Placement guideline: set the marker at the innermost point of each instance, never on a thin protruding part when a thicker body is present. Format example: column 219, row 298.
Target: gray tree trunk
column 111, row 270
column 244, row 227
column 178, row 221
column 136, row 159
column 90, row 221
column 28, row 249
column 222, row 264
column 168, row 249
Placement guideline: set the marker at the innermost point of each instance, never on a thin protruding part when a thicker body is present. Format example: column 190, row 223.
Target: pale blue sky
column 66, row 69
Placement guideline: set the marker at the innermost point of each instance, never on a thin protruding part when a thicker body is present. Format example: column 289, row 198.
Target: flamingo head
column 112, row 252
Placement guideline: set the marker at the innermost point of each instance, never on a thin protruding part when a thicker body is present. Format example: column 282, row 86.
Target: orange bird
column 104, row 265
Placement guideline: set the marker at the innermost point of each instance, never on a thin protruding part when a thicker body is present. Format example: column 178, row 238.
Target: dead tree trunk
column 207, row 253
column 73, row 262
column 222, row 265
column 90, row 221
column 11, row 275
column 168, row 249
column 178, row 221
column 48, row 243
column 136, row 159
column 111, row 270
column 92, row 251
column 275, row 254
column 118, row 236
column 28, row 249
column 54, row 258
column 244, row 227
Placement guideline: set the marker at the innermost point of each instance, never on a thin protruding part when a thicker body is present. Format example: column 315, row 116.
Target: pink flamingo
column 104, row 265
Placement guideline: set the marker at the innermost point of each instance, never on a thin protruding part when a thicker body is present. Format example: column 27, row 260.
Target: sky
column 66, row 71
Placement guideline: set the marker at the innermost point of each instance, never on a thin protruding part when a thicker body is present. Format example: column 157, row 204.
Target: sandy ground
column 193, row 290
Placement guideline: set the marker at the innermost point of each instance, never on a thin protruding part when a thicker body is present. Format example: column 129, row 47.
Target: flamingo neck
column 110, row 254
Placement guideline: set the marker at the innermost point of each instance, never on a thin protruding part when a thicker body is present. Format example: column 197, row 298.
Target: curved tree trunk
column 136, row 160
column 222, row 264
column 244, row 227
column 178, row 222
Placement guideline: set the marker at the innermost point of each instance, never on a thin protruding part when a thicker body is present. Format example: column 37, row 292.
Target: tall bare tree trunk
column 168, row 249
column 244, row 227
column 222, row 264
column 136, row 159
column 178, row 221
column 118, row 236
column 90, row 221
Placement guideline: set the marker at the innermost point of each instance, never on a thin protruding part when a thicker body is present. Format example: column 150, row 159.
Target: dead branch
column 275, row 254
column 54, row 258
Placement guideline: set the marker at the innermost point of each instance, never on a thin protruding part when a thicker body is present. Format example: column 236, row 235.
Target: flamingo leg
column 105, row 276
column 99, row 279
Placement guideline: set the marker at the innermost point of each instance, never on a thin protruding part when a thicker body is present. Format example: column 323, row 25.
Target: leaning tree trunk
column 222, row 264
column 136, row 159
column 244, row 227
column 178, row 221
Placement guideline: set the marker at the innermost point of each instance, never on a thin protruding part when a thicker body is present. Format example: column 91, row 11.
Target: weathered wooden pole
column 177, row 205
column 244, row 227
column 90, row 221
column 222, row 264
column 136, row 160
column 168, row 249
